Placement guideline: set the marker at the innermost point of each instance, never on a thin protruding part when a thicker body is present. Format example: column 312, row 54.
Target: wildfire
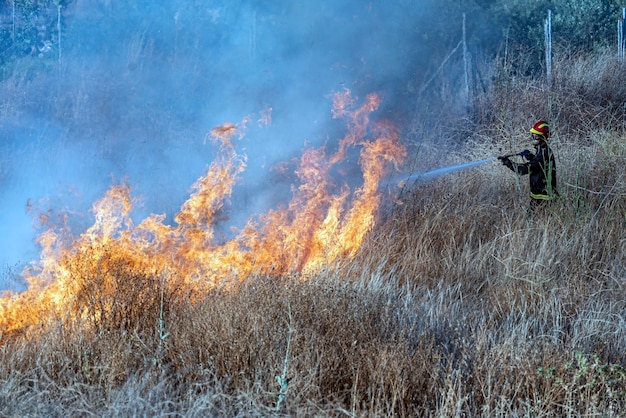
column 325, row 220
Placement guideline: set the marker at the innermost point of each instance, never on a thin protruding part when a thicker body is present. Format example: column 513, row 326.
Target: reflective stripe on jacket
column 542, row 173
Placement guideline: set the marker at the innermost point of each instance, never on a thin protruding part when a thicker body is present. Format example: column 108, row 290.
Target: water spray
column 442, row 170
column 449, row 169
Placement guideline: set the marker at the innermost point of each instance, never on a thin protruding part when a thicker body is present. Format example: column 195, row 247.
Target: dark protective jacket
column 541, row 169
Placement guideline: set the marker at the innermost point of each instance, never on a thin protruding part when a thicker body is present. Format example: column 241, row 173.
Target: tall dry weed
column 461, row 302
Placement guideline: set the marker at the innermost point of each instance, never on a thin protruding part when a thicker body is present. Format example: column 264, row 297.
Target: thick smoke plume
column 137, row 87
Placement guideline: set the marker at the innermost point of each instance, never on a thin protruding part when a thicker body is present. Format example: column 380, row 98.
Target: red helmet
column 541, row 128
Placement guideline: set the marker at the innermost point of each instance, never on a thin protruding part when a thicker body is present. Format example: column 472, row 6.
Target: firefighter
column 540, row 166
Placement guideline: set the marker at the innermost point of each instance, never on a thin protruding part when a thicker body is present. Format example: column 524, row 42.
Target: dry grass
column 460, row 303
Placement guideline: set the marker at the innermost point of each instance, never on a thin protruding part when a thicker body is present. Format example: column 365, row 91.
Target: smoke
column 139, row 84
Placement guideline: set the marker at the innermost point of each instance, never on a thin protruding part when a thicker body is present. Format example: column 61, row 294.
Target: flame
column 325, row 220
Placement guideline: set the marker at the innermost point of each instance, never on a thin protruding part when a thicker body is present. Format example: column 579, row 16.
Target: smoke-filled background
column 96, row 92
column 128, row 90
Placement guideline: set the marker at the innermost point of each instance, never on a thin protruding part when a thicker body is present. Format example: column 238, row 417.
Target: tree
column 29, row 28
column 577, row 24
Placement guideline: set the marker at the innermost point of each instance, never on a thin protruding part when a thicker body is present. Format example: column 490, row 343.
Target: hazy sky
column 140, row 86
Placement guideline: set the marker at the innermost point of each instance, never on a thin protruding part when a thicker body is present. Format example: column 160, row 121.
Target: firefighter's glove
column 526, row 154
column 506, row 161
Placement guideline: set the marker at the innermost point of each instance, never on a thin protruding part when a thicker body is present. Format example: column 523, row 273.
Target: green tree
column 577, row 24
column 28, row 28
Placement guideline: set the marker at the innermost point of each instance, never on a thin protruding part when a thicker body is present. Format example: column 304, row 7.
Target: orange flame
column 323, row 222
